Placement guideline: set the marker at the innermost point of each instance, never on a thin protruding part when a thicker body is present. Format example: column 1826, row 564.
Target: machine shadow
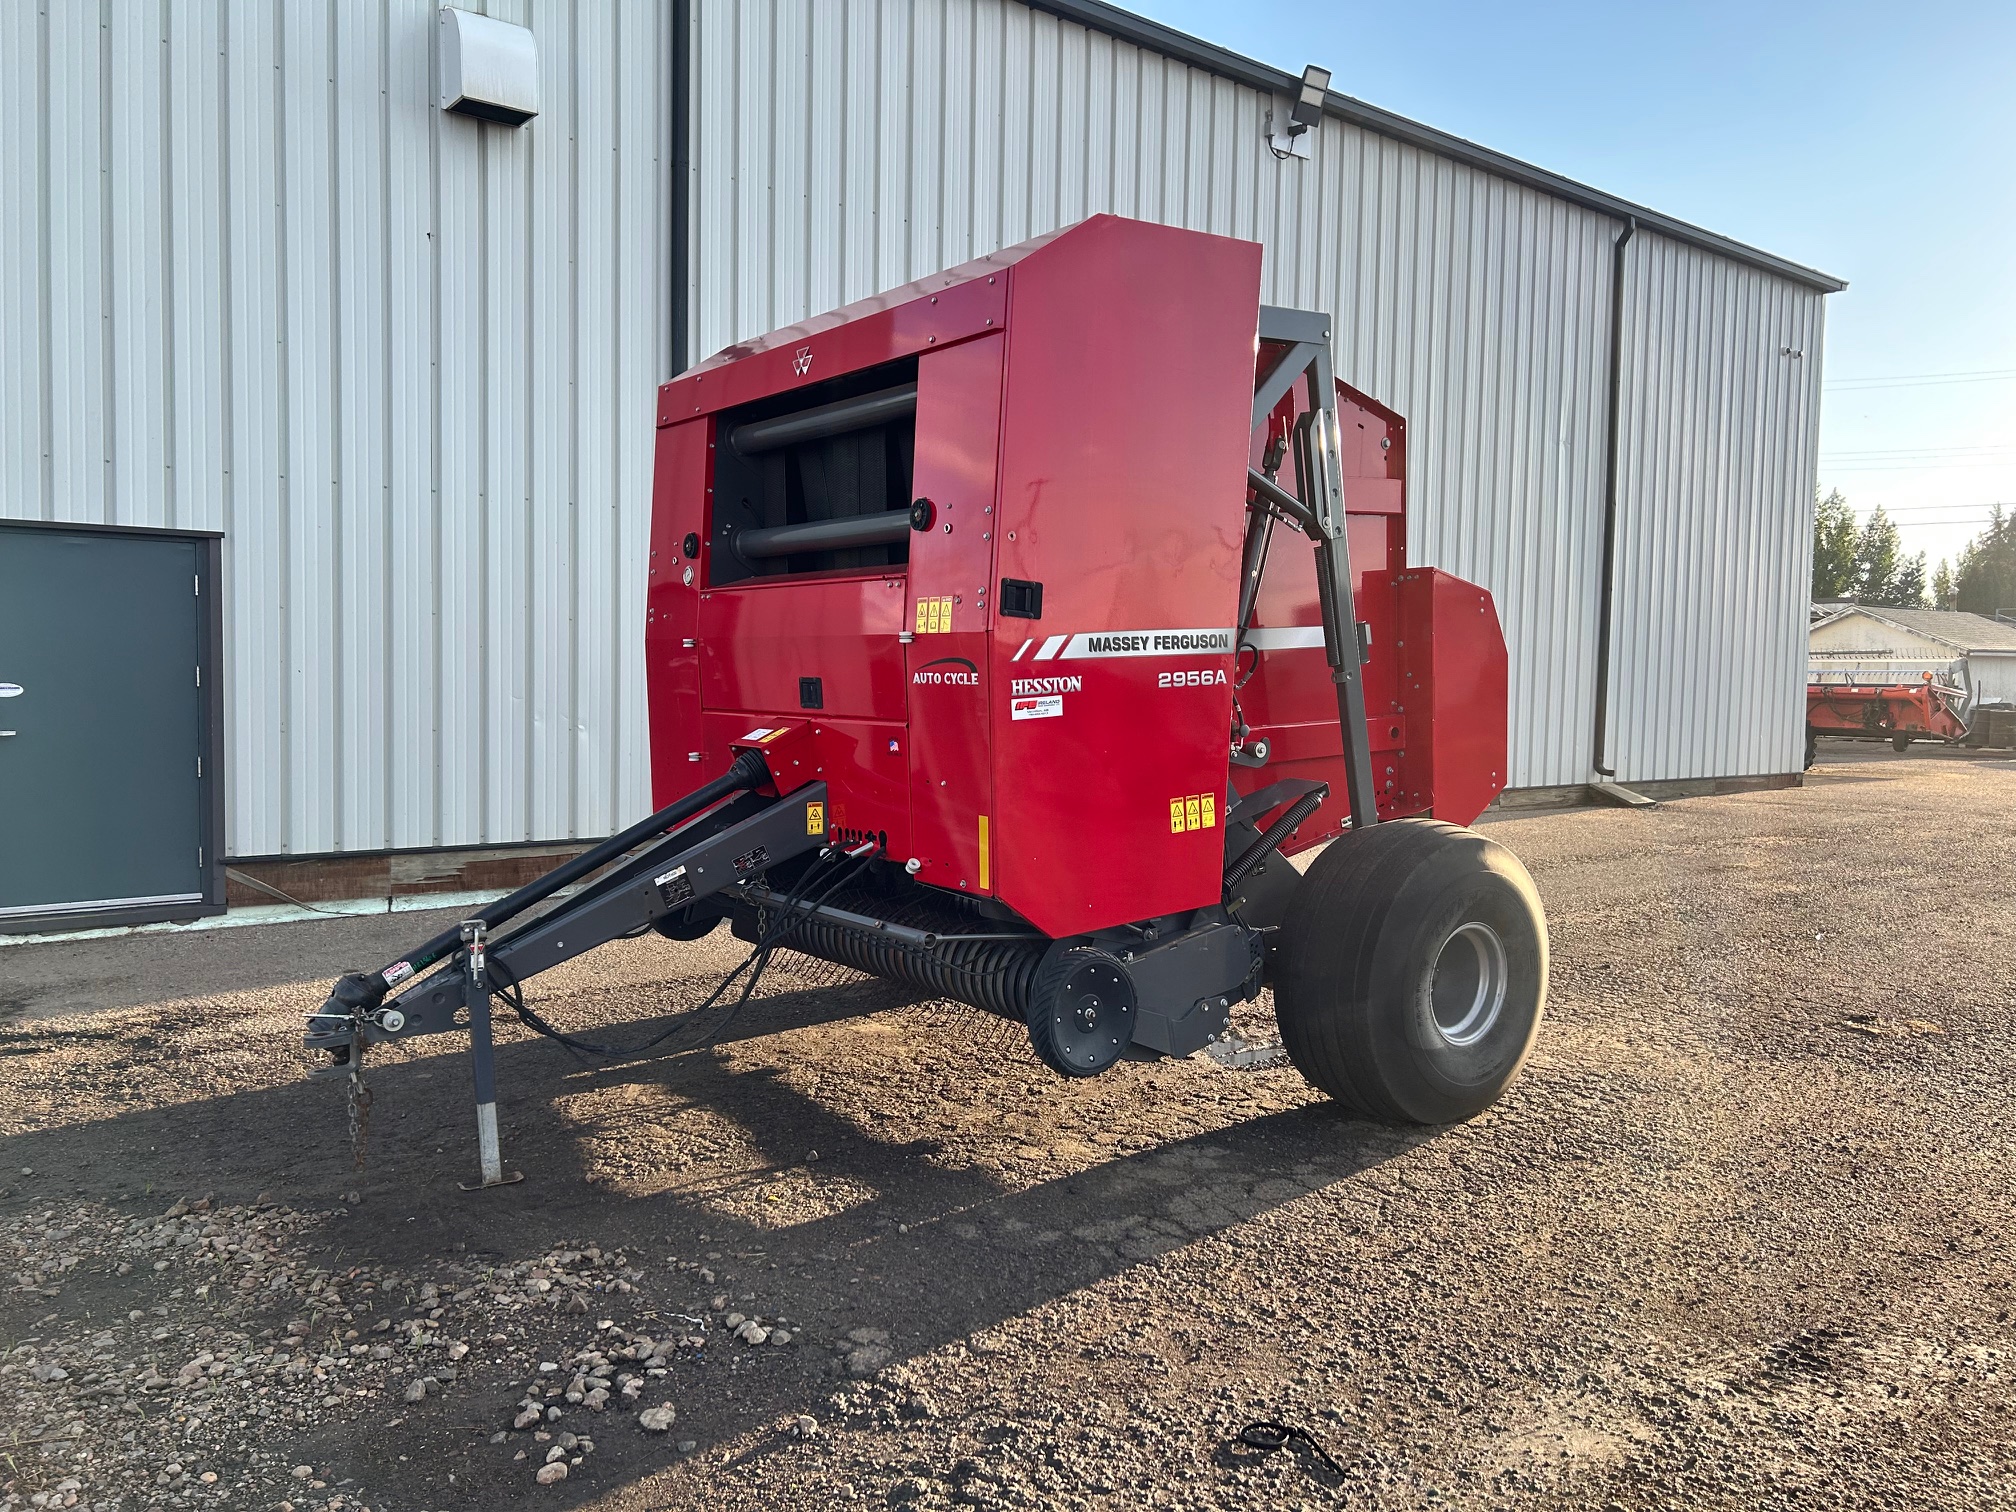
column 130, row 971
column 939, row 1253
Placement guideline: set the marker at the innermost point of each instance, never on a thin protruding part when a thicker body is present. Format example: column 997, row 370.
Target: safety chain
column 359, row 1100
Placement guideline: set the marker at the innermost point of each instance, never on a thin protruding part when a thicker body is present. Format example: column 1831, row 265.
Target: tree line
column 1866, row 563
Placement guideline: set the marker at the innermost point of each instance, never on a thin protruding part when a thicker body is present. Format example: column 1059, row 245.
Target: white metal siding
column 1715, row 516
column 253, row 280
column 1992, row 676
column 847, row 146
column 1857, row 648
column 1852, row 633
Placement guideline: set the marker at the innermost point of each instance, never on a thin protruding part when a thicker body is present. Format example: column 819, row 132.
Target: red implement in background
column 1898, row 712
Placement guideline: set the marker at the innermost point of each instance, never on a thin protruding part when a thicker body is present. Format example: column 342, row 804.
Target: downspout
column 1604, row 606
column 680, row 272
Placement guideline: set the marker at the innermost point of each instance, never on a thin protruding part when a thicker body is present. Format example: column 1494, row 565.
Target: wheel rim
column 1466, row 992
column 1091, row 1019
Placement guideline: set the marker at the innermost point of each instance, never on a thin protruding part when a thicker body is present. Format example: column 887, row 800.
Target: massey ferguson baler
column 1006, row 633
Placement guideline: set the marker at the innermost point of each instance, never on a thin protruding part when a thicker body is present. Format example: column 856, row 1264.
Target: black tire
column 1081, row 1010
column 689, row 923
column 1385, row 917
column 1812, row 750
column 1900, row 743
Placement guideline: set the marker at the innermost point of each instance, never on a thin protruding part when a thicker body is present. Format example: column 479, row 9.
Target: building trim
column 1226, row 64
column 680, row 232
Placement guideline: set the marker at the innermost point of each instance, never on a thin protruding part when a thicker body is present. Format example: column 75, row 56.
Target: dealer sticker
column 1037, row 708
column 675, row 887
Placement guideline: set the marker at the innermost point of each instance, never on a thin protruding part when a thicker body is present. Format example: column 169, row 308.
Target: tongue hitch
column 713, row 838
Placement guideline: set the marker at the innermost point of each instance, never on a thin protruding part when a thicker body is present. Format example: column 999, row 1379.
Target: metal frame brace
column 1317, row 509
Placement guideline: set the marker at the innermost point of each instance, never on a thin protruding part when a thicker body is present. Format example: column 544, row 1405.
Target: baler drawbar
column 967, row 611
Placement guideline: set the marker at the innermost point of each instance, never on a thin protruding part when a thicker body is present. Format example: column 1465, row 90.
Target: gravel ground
column 1738, row 1238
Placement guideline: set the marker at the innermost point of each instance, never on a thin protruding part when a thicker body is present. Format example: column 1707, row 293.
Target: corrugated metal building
column 253, row 279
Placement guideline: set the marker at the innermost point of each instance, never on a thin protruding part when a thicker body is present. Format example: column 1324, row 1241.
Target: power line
column 1926, row 509
column 1916, row 380
column 1851, row 467
column 1996, row 448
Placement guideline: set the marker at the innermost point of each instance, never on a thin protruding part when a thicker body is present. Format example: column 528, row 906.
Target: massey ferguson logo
column 801, row 361
column 1155, row 642
column 1036, row 687
column 958, row 673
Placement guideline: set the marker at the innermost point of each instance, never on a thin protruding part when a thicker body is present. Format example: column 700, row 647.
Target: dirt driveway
column 1739, row 1238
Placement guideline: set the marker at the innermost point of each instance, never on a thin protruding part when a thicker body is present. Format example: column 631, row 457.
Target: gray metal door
column 102, row 726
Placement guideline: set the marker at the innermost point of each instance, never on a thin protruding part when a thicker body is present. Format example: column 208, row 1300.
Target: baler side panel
column 1124, row 425
column 949, row 612
column 758, row 641
column 672, row 612
column 1455, row 684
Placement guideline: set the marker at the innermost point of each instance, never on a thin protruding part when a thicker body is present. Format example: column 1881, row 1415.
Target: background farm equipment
column 1898, row 712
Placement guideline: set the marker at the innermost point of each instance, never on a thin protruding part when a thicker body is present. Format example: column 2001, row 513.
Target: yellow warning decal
column 1193, row 811
column 934, row 615
column 986, row 860
column 1175, row 816
column 815, row 818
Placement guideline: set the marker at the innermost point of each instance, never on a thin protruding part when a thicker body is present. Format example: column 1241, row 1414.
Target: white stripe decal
column 1286, row 638
column 1051, row 647
column 1025, row 646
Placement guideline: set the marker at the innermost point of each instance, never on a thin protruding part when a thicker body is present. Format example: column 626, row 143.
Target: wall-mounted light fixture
column 489, row 68
column 1290, row 137
column 1308, row 109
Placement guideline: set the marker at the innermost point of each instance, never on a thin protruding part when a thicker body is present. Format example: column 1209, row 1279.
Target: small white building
column 1858, row 642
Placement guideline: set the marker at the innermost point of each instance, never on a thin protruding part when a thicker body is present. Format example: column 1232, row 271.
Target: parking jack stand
column 476, row 993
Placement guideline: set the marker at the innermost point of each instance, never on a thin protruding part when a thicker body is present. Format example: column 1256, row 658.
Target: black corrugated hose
column 1267, row 1436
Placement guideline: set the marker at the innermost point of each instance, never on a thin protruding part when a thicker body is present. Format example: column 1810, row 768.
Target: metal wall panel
column 1721, row 409
column 845, row 146
column 255, row 281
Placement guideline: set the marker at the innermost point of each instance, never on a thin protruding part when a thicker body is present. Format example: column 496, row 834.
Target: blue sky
column 1875, row 142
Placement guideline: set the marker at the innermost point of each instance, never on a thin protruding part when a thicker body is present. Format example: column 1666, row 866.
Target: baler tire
column 1374, row 924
